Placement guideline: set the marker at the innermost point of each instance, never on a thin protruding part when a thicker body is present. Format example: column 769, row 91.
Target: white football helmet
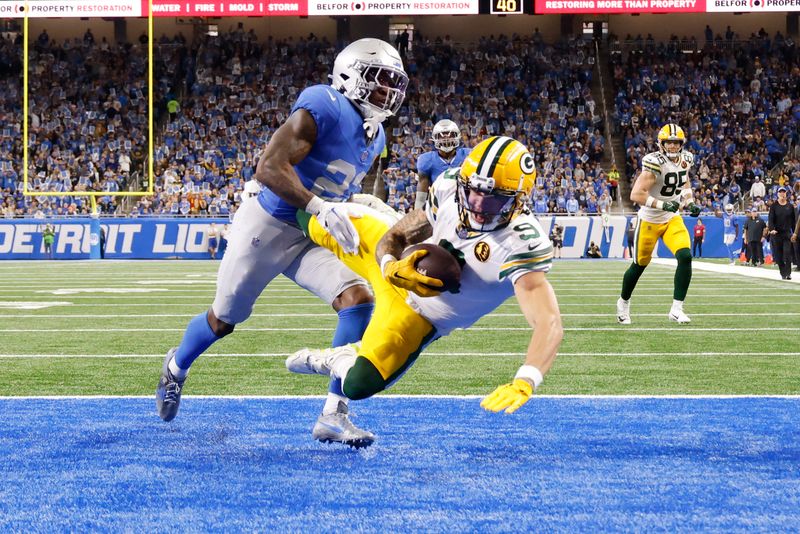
column 728, row 208
column 446, row 136
column 369, row 72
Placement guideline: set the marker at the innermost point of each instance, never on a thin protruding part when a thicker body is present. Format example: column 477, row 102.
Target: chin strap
column 371, row 126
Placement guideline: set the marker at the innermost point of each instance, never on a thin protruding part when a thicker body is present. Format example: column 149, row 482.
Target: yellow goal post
column 26, row 191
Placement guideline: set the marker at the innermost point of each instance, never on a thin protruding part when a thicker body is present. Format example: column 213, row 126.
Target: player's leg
column 260, row 248
column 353, row 302
column 676, row 238
column 644, row 241
column 394, row 339
column 729, row 239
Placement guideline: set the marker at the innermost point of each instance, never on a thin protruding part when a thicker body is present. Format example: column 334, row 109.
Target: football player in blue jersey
column 730, row 230
column 446, row 140
column 314, row 161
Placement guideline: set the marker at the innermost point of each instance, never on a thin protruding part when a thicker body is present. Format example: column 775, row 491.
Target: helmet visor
column 387, row 87
column 486, row 210
column 447, row 140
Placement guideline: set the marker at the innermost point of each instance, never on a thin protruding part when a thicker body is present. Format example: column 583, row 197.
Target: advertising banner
column 272, row 8
column 187, row 238
column 227, row 8
column 751, row 6
column 410, row 7
column 233, row 8
column 546, row 7
column 72, row 8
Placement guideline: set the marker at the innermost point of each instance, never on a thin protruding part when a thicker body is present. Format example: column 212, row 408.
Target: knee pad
column 684, row 255
column 363, row 380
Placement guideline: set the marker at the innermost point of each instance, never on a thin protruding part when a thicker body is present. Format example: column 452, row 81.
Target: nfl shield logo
column 255, row 241
column 364, row 156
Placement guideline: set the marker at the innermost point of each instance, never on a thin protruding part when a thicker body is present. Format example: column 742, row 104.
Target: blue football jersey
column 728, row 223
column 340, row 158
column 432, row 164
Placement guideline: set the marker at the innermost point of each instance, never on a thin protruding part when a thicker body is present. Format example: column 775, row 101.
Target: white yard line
column 510, row 304
column 742, row 270
column 332, row 315
column 384, row 396
column 425, row 354
column 621, row 328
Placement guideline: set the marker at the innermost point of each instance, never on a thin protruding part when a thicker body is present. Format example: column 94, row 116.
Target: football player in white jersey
column 661, row 190
column 477, row 212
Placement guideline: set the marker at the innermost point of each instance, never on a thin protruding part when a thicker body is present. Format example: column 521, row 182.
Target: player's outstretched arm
column 539, row 305
column 290, row 144
column 410, row 230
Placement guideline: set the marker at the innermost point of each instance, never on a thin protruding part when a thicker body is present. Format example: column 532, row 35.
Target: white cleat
column 308, row 362
column 623, row 311
column 317, row 361
column 677, row 315
column 338, row 428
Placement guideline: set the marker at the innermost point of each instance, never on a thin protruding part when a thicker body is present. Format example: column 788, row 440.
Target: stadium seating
column 737, row 101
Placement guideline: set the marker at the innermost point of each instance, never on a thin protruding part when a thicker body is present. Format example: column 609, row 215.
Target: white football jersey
column 671, row 180
column 492, row 261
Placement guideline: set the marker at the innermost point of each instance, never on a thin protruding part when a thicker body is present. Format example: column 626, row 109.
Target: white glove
column 335, row 219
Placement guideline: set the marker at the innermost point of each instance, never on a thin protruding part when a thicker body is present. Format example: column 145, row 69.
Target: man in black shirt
column 782, row 221
column 754, row 231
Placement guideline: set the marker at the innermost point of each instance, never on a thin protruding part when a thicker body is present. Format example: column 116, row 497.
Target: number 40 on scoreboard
column 506, row 7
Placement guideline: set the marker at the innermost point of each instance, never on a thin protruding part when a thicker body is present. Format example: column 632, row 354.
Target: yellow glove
column 402, row 273
column 508, row 397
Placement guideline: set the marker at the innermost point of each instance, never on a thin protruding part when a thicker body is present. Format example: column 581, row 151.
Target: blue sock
column 197, row 338
column 353, row 322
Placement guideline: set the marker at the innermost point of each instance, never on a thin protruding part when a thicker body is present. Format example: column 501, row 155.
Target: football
column 437, row 263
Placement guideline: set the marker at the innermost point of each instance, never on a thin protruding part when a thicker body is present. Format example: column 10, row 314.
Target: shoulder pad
column 653, row 161
column 688, row 157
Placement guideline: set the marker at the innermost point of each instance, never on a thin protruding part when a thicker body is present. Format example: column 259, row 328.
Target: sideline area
column 744, row 270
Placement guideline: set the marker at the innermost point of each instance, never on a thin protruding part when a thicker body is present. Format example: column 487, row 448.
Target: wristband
column 314, row 205
column 530, row 374
column 419, row 202
column 654, row 203
column 384, row 260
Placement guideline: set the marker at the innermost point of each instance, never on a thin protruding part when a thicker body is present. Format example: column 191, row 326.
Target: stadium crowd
column 545, row 101
column 219, row 99
column 738, row 101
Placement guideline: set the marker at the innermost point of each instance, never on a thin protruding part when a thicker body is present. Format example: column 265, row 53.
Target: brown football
column 437, row 263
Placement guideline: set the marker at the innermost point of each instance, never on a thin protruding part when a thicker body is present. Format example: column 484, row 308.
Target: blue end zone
column 440, row 464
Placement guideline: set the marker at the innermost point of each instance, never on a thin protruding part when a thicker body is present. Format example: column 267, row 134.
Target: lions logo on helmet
column 671, row 132
column 494, row 184
column 369, row 72
column 446, row 136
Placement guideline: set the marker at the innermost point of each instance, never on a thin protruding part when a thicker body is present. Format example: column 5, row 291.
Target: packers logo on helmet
column 671, row 132
column 494, row 184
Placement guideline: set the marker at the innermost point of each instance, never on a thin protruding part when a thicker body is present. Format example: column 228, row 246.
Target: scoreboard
column 509, row 7
column 250, row 8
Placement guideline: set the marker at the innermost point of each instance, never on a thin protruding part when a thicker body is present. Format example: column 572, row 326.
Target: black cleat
column 168, row 391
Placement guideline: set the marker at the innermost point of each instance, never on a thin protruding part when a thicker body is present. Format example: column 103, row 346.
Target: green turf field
column 102, row 328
